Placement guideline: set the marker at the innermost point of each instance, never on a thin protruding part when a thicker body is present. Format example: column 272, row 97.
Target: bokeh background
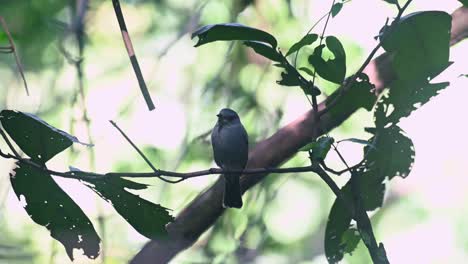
column 424, row 218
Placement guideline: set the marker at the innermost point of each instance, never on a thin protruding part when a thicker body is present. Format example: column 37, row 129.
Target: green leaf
column 359, row 141
column 419, row 44
column 35, row 137
column 350, row 239
column 405, row 97
column 147, row 218
column 338, row 225
column 464, row 2
column 264, row 50
column 393, row 154
column 336, row 8
column 48, row 205
column 307, row 70
column 232, row 31
column 306, row 40
column 319, row 148
column 393, row 2
column 333, row 70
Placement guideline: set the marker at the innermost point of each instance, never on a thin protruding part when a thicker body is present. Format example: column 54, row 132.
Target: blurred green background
column 424, row 216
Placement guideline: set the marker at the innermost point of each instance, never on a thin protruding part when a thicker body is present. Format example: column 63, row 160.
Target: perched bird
column 231, row 149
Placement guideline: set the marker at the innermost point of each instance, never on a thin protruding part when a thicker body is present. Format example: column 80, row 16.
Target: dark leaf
column 393, row 154
column 147, row 218
column 319, row 148
column 333, row 70
column 232, row 31
column 264, row 50
column 420, row 44
column 307, row 70
column 35, row 137
column 311, row 90
column 359, row 95
column 338, row 225
column 391, row 1
column 464, row 2
column 48, row 205
column 336, row 8
column 405, row 97
column 306, row 40
column 288, row 79
column 350, row 239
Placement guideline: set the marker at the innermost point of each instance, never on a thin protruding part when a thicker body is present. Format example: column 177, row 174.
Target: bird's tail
column 232, row 193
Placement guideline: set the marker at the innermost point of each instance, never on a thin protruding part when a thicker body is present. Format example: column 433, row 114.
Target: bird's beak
column 218, row 115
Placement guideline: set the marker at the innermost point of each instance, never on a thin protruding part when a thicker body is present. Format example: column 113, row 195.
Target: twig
column 353, row 78
column 142, row 154
column 131, row 53
column 13, row 49
column 5, row 137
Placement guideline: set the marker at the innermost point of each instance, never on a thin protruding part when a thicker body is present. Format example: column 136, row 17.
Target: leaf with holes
column 333, row 70
column 419, row 53
column 409, row 96
column 338, row 224
column 393, row 154
column 265, row 50
column 232, row 31
column 306, row 40
column 35, row 137
column 147, row 218
column 48, row 205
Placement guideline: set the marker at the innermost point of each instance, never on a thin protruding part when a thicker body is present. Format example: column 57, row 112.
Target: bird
column 231, row 152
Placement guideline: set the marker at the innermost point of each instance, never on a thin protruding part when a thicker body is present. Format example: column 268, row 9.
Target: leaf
column 232, row 31
column 404, row 97
column 350, row 239
column 464, row 2
column 338, row 225
column 35, row 137
column 359, row 141
column 333, row 70
column 319, row 148
column 48, row 205
column 147, row 218
column 336, row 8
column 264, row 50
column 394, row 2
column 306, row 40
column 307, row 70
column 288, row 79
column 359, row 95
column 420, row 44
column 393, row 154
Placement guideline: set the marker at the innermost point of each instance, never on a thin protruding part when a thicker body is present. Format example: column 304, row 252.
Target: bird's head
column 227, row 117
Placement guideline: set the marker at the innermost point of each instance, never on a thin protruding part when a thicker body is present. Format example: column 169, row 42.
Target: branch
column 131, row 55
column 205, row 209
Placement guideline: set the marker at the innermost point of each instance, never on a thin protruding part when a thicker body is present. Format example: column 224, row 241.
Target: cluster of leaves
column 48, row 205
column 389, row 152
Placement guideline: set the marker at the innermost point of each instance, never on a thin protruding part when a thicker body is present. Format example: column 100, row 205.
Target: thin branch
column 13, row 49
column 350, row 82
column 5, row 137
column 131, row 54
column 142, row 154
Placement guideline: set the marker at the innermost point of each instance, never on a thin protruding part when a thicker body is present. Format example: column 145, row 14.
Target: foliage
column 389, row 152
